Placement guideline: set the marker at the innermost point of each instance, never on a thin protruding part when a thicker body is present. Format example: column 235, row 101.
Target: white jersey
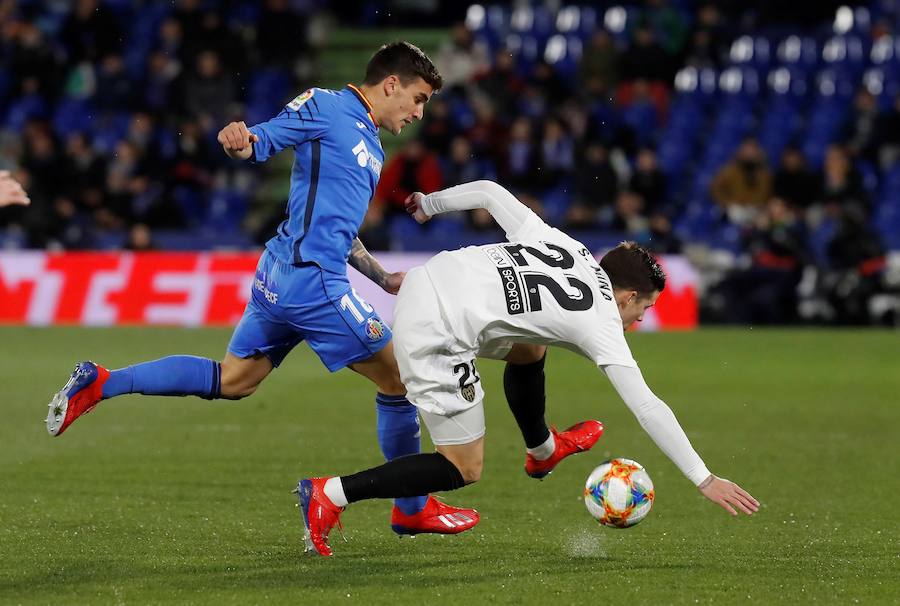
column 542, row 287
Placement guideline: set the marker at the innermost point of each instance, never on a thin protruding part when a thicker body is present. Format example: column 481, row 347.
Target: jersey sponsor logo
column 364, row 158
column 496, row 256
column 271, row 297
column 300, row 99
column 512, row 289
column 374, row 329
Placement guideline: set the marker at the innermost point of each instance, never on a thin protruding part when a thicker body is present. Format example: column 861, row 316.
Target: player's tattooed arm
column 362, row 261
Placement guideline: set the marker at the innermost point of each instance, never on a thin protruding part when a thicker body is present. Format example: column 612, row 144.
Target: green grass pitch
column 153, row 500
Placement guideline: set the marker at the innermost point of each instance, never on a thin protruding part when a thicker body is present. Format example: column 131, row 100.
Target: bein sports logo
column 364, row 158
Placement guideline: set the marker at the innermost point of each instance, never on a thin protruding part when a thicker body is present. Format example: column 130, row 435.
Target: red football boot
column 78, row 396
column 578, row 438
column 436, row 517
column 319, row 514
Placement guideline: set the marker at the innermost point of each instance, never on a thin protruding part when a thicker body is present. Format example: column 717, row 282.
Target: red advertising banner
column 209, row 288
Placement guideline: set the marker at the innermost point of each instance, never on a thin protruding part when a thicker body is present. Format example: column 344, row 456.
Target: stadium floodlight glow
column 568, row 19
column 475, row 17
column 843, row 20
column 615, row 19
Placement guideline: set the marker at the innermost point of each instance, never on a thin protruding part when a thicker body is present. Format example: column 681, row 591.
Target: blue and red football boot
column 435, row 518
column 79, row 395
column 578, row 438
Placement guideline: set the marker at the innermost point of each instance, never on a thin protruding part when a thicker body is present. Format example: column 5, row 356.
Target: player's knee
column 526, row 353
column 471, row 471
column 236, row 391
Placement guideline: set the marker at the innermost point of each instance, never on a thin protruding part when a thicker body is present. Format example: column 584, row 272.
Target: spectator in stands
column 662, row 239
column 557, row 155
column 518, row 167
column 413, row 168
column 461, row 59
column 862, row 134
column 31, row 56
column 82, row 173
column 629, row 217
column 842, row 188
column 487, row 133
column 856, row 268
column 744, row 184
column 91, row 32
column 140, row 238
column 156, row 91
column 766, row 292
column 281, row 34
column 595, row 189
column 598, row 71
column 646, row 59
column 648, row 181
column 501, row 83
column 114, row 83
column 890, row 136
column 668, row 23
column 793, row 181
column 463, row 166
column 437, row 128
column 210, row 91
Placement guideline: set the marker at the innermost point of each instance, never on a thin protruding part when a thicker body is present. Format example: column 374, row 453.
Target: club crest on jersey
column 374, row 329
column 468, row 392
column 300, row 99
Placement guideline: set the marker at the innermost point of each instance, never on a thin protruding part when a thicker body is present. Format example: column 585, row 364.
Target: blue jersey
column 337, row 163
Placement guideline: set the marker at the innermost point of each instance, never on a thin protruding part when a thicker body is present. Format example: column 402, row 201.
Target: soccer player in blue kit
column 301, row 291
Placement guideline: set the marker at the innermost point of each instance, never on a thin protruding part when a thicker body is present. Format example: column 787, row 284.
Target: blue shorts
column 289, row 304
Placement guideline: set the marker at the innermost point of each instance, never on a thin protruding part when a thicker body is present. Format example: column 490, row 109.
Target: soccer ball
column 619, row 493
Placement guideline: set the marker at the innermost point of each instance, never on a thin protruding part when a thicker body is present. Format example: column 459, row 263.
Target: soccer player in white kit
column 541, row 288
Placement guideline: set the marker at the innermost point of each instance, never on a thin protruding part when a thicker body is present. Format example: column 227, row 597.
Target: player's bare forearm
column 362, row 261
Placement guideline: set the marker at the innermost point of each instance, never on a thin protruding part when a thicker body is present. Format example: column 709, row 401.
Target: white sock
column 334, row 490
column 544, row 451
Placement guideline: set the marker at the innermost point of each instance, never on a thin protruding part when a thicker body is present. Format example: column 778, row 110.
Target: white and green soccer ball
column 619, row 493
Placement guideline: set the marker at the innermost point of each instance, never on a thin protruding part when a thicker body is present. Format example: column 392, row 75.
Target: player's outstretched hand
column 728, row 495
column 413, row 205
column 393, row 281
column 11, row 191
column 236, row 139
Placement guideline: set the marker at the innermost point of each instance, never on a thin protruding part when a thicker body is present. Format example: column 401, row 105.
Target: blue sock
column 398, row 435
column 171, row 376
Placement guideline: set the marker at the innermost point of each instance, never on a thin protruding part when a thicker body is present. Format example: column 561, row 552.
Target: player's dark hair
column 406, row 61
column 632, row 267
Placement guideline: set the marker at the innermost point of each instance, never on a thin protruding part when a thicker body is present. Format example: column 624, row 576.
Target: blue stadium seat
column 73, row 115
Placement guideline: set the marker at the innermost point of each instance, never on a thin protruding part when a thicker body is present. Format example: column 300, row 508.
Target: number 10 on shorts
column 347, row 304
